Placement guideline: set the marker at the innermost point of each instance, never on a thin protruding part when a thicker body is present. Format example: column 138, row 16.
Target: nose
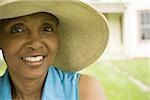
column 35, row 42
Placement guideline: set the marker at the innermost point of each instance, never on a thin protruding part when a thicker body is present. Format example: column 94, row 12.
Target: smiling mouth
column 34, row 60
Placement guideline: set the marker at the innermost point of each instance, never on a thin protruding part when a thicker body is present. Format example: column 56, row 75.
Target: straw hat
column 83, row 30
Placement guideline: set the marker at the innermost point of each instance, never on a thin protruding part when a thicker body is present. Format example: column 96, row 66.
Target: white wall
column 115, row 32
column 135, row 47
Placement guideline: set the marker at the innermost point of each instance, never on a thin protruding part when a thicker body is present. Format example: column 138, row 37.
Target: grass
column 116, row 85
column 139, row 68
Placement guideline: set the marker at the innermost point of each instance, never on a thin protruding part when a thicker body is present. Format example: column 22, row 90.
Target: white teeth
column 33, row 59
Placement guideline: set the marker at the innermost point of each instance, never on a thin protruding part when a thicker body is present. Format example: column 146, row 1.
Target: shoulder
column 90, row 89
column 65, row 76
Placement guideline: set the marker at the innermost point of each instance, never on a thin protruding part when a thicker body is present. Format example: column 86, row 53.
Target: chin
column 34, row 74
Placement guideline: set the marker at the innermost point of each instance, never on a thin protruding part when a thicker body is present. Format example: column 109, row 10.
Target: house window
column 145, row 25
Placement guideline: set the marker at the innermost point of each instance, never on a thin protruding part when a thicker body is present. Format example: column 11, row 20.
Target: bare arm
column 89, row 89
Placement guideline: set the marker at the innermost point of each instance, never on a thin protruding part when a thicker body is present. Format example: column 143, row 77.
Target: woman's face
column 29, row 44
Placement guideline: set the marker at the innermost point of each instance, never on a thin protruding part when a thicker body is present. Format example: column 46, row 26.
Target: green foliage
column 2, row 67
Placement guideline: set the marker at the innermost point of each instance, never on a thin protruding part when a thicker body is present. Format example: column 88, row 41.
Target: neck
column 26, row 89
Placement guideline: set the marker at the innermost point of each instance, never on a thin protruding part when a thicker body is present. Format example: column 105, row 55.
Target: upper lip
column 33, row 55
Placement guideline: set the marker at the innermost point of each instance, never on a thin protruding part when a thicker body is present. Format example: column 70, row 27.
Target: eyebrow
column 50, row 21
column 57, row 20
column 12, row 21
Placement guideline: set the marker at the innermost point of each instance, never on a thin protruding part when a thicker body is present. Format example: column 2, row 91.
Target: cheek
column 11, row 46
column 53, row 45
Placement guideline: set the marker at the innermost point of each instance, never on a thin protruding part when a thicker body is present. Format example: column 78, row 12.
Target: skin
column 29, row 36
column 90, row 89
column 36, row 35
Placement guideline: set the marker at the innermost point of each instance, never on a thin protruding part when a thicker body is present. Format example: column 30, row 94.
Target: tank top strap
column 60, row 85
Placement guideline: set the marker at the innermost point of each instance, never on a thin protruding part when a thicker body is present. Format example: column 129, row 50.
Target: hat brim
column 83, row 31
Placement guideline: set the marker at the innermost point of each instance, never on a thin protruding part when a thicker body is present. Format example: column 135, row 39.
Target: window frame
column 140, row 25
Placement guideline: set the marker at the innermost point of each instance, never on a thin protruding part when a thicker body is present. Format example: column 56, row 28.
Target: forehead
column 40, row 15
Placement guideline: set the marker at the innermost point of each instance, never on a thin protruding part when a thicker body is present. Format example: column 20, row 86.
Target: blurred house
column 129, row 22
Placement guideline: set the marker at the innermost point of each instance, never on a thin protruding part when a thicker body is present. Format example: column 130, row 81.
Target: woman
column 44, row 43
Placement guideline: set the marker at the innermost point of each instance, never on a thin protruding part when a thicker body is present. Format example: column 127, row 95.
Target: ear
column 0, row 45
column 0, row 42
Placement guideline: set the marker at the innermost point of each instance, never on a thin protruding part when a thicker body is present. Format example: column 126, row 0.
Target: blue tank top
column 58, row 86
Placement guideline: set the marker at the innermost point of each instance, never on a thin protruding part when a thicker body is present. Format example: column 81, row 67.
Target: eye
column 17, row 28
column 48, row 28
